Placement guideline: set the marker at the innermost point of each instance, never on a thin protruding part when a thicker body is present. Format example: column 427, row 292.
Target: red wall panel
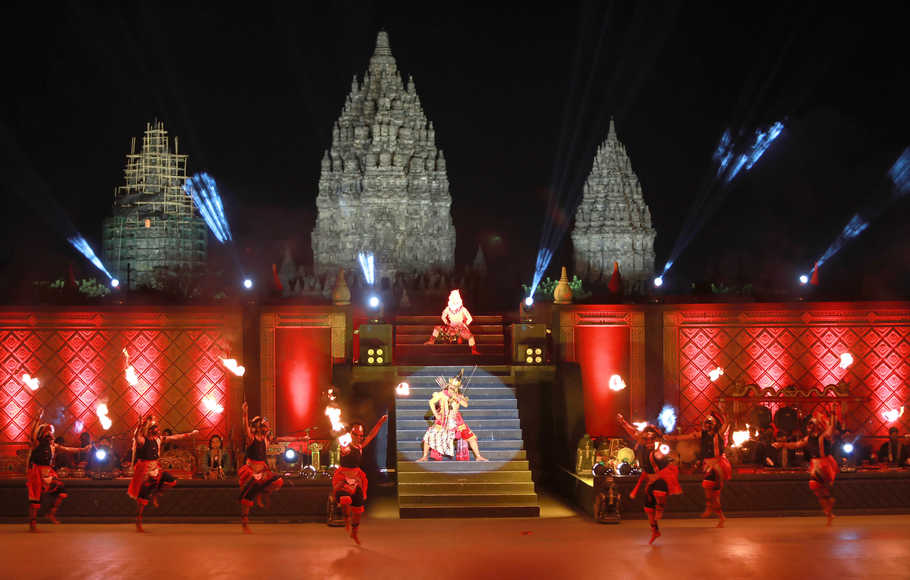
column 303, row 370
column 602, row 351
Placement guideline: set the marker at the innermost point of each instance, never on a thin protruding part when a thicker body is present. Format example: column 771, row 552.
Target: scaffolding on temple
column 155, row 232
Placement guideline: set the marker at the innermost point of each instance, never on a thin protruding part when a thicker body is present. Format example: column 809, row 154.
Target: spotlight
column 115, row 283
column 848, row 448
column 373, row 302
column 803, row 279
column 529, row 301
column 100, row 454
column 290, row 455
column 533, row 354
column 247, row 283
column 659, row 281
column 846, row 360
column 625, row 468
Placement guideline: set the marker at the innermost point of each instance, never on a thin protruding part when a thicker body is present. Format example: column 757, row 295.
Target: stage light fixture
column 846, row 360
column 659, row 281
column 290, row 456
column 848, row 448
column 803, row 279
column 247, row 283
column 533, row 354
column 529, row 301
column 115, row 283
column 100, row 454
column 373, row 302
column 376, row 356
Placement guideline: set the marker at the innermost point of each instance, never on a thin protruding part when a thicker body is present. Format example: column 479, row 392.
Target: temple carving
column 613, row 223
column 383, row 186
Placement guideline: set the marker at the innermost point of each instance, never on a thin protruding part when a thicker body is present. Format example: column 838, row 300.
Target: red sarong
column 670, row 474
column 38, row 480
column 253, row 469
column 825, row 468
column 143, row 469
column 346, row 477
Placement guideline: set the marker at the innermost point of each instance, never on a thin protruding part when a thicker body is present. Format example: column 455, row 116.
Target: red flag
column 277, row 286
column 814, row 279
column 615, row 283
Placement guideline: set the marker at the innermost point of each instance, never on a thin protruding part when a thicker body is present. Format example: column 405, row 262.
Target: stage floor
column 528, row 548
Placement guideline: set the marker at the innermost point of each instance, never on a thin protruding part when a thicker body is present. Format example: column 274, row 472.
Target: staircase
column 412, row 331
column 501, row 487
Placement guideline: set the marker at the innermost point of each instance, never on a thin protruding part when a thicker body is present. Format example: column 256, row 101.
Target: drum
column 787, row 420
column 759, row 417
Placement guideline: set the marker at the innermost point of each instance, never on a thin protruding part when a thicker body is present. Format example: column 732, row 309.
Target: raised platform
column 763, row 493
column 192, row 500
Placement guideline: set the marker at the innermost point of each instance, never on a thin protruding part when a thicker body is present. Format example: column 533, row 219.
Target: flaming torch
column 231, row 365
column 334, row 415
column 640, row 425
column 740, row 437
column 892, row 415
column 131, row 377
column 715, row 374
column 211, row 405
column 403, row 389
column 101, row 411
column 30, row 381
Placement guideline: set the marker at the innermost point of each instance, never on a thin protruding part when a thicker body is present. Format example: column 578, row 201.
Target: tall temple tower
column 155, row 230
column 383, row 186
column 613, row 223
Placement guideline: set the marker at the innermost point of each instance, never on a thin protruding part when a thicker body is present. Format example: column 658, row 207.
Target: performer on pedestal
column 659, row 476
column 715, row 464
column 449, row 424
column 455, row 322
column 149, row 480
column 256, row 480
column 41, row 478
column 822, row 464
column 349, row 482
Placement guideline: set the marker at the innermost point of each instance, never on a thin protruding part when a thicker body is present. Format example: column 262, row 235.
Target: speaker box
column 375, row 344
column 529, row 336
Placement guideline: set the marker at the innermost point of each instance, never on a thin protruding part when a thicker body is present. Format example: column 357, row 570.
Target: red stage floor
column 557, row 545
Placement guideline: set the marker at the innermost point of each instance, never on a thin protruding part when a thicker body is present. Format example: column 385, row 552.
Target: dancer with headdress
column 256, row 480
column 448, row 425
column 659, row 475
column 822, row 464
column 349, row 482
column 455, row 322
column 41, row 479
column 715, row 464
column 149, row 480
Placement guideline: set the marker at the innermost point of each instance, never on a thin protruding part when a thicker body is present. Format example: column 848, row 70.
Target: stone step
column 491, row 454
column 475, row 391
column 452, row 370
column 430, row 350
column 410, row 489
column 473, row 499
column 427, row 329
column 501, row 444
column 474, row 414
column 475, row 424
column 482, row 339
column 422, row 404
column 466, row 359
column 463, row 466
column 497, row 511
column 482, row 434
column 433, row 477
column 436, row 319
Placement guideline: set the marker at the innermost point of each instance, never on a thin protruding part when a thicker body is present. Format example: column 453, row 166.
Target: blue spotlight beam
column 204, row 192
column 83, row 247
column 368, row 267
column 899, row 176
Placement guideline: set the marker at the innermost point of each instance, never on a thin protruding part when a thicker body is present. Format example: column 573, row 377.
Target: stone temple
column 613, row 223
column 155, row 233
column 383, row 187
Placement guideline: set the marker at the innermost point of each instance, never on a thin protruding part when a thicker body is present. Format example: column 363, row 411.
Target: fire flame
column 715, row 374
column 662, row 448
column 131, row 377
column 846, row 359
column 30, row 381
column 740, row 437
column 231, row 365
column 334, row 415
column 403, row 389
column 616, row 383
column 211, row 405
column 640, row 425
column 892, row 415
column 101, row 411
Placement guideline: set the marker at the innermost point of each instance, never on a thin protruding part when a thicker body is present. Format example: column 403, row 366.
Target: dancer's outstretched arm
column 375, row 430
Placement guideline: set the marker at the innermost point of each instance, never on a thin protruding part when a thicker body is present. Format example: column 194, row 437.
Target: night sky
column 516, row 95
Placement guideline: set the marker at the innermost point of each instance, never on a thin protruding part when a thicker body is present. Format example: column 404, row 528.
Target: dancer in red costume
column 41, row 478
column 715, row 464
column 349, row 483
column 256, row 480
column 149, row 480
column 822, row 465
column 455, row 322
column 659, row 476
column 449, row 424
